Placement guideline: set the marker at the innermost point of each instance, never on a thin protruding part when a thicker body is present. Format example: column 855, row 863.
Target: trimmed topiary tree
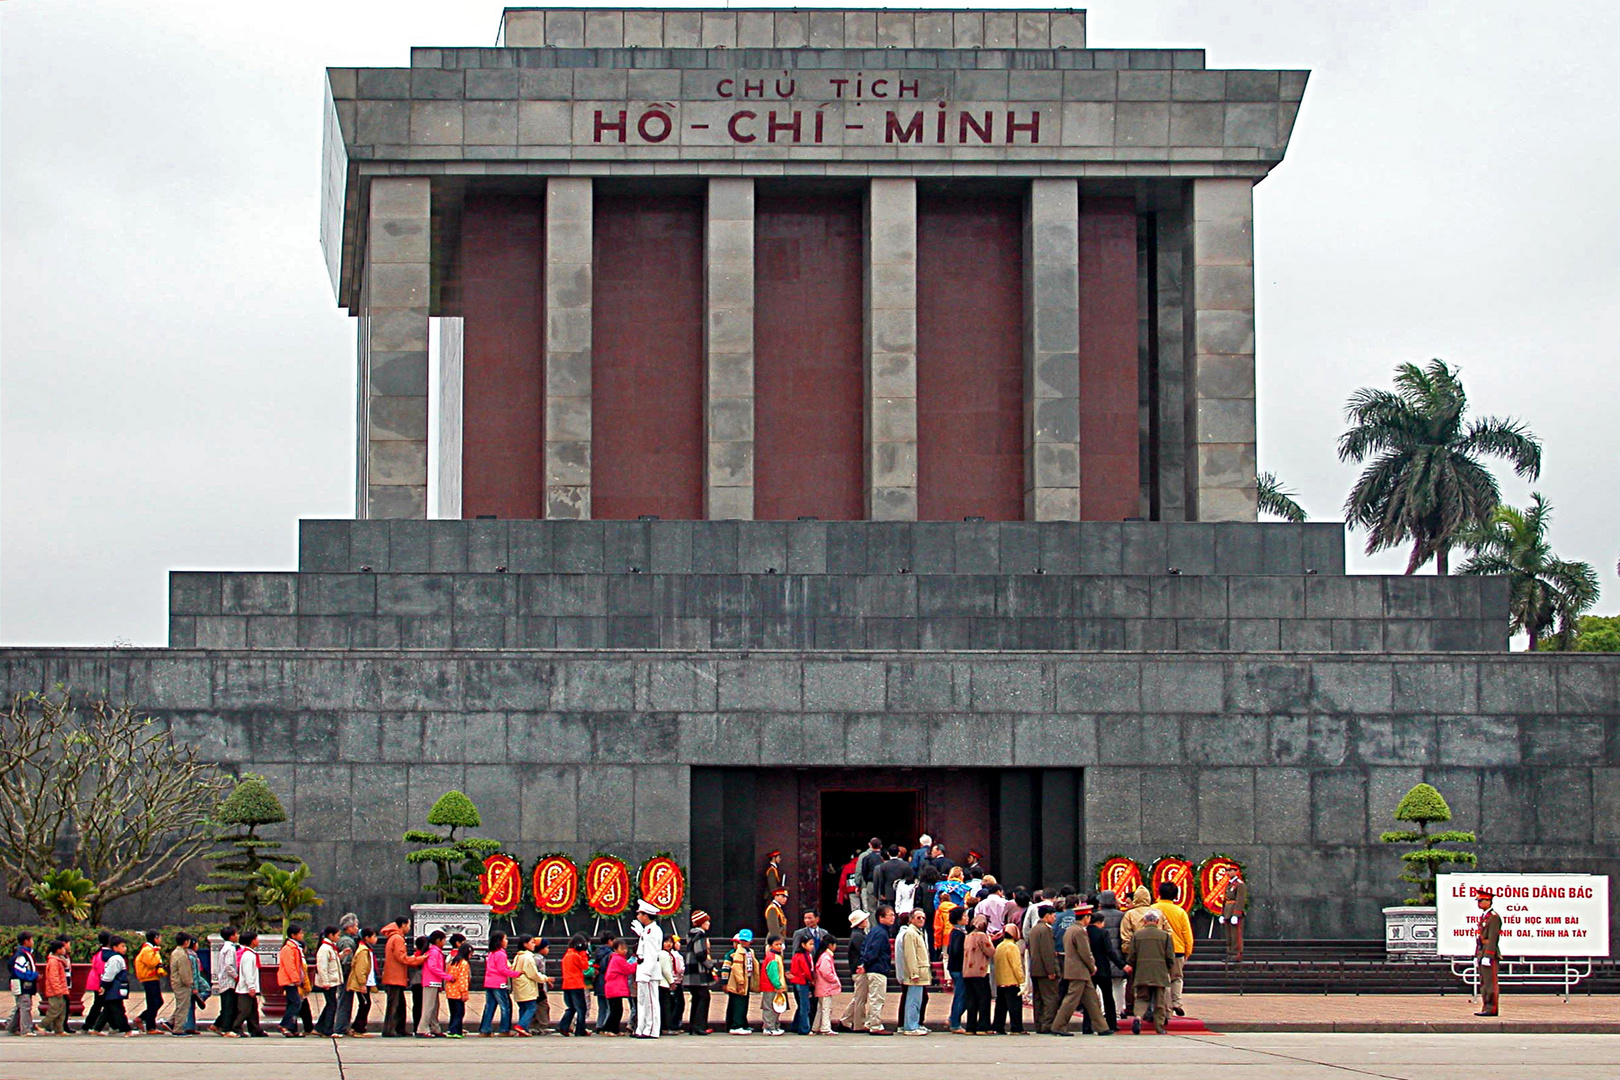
column 235, row 876
column 460, row 859
column 1424, row 806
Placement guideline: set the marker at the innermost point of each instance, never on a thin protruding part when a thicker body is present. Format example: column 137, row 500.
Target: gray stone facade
column 886, row 100
column 1289, row 762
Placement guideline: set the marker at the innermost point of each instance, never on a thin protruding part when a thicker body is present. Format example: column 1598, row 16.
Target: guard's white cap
column 645, row 908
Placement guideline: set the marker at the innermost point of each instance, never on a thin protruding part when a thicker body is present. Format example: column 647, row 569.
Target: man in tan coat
column 1149, row 961
column 1079, row 968
column 1045, row 969
column 1136, row 909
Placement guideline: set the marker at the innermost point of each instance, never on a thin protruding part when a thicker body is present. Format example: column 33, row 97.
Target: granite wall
column 1290, row 762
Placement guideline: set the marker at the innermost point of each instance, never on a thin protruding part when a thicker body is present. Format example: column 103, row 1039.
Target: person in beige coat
column 912, row 968
column 1079, row 969
column 1045, row 969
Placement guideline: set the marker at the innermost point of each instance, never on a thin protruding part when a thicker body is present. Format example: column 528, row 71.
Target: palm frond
column 1276, row 501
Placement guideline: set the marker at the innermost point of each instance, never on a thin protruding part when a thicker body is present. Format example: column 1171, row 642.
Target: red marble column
column 647, row 356
column 503, row 385
column 1109, row 461
column 970, row 357
column 808, row 389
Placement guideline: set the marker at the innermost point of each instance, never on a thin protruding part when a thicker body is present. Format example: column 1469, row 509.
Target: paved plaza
column 1294, row 1056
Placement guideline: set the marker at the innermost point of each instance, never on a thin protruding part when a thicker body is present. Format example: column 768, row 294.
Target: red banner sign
column 1120, row 874
column 607, row 886
column 1213, row 875
column 555, row 885
column 1180, row 872
column 663, row 885
column 501, row 884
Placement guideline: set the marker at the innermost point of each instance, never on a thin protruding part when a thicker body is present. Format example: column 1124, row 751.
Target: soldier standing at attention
column 773, row 874
column 1488, row 954
column 1234, row 903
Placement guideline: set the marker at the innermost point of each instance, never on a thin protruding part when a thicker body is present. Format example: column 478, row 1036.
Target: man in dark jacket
column 878, row 963
column 1108, row 957
column 893, row 870
column 604, row 952
column 1045, row 969
column 866, row 869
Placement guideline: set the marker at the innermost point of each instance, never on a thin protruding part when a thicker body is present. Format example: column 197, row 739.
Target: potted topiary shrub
column 1413, row 927
column 458, row 860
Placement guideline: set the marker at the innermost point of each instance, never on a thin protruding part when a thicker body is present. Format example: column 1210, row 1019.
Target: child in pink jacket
column 825, row 987
column 621, row 972
column 498, row 973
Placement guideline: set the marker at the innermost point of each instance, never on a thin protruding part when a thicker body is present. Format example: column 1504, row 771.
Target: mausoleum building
column 845, row 425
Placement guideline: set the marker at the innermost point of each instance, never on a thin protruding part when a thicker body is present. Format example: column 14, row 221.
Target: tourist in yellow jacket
column 150, row 972
column 1180, row 927
column 1007, row 975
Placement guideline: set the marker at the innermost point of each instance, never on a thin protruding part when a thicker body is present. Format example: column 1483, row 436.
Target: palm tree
column 1544, row 589
column 1425, row 482
column 1276, row 501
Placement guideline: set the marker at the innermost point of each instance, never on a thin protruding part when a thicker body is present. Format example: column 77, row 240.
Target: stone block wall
column 1291, row 763
column 821, row 547
column 1079, row 612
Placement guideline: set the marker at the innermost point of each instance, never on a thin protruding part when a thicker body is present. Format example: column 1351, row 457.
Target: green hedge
column 83, row 938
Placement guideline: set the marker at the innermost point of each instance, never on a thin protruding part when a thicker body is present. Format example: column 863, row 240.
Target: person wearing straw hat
column 648, row 959
column 855, row 1012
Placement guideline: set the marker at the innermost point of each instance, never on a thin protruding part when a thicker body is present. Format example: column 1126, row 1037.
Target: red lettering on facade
column 731, row 126
column 1033, row 127
column 723, row 87
column 788, row 91
column 908, row 89
column 878, row 86
column 655, row 125
column 985, row 132
column 939, row 125
column 912, row 132
column 753, row 88
column 838, row 86
column 608, row 125
column 821, row 119
column 773, row 126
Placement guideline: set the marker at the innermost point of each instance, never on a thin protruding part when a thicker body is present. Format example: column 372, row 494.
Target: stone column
column 1052, row 351
column 891, row 350
column 1218, row 346
column 393, row 350
column 728, row 345
column 451, row 334
column 568, row 347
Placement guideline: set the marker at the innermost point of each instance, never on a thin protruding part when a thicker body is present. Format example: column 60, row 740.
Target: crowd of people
column 915, row 918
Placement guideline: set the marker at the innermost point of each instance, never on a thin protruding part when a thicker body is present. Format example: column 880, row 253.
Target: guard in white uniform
column 649, row 950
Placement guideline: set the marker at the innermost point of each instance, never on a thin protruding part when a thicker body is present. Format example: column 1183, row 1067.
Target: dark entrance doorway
column 849, row 819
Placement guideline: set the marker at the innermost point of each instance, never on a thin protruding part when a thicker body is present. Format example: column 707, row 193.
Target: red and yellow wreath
column 607, row 885
column 1177, row 870
column 1213, row 874
column 663, row 884
column 555, row 884
column 501, row 883
column 1121, row 873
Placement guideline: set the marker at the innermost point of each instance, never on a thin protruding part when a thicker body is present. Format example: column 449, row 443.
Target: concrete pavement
column 1286, row 1056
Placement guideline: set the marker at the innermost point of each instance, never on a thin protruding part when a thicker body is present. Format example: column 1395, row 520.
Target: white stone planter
column 1411, row 931
column 469, row 919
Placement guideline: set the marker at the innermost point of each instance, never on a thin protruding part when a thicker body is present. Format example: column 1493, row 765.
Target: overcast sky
column 176, row 381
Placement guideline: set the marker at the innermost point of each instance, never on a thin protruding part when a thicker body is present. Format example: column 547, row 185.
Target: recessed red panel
column 647, row 348
column 1109, row 464
column 808, row 382
column 970, row 357
column 502, row 262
